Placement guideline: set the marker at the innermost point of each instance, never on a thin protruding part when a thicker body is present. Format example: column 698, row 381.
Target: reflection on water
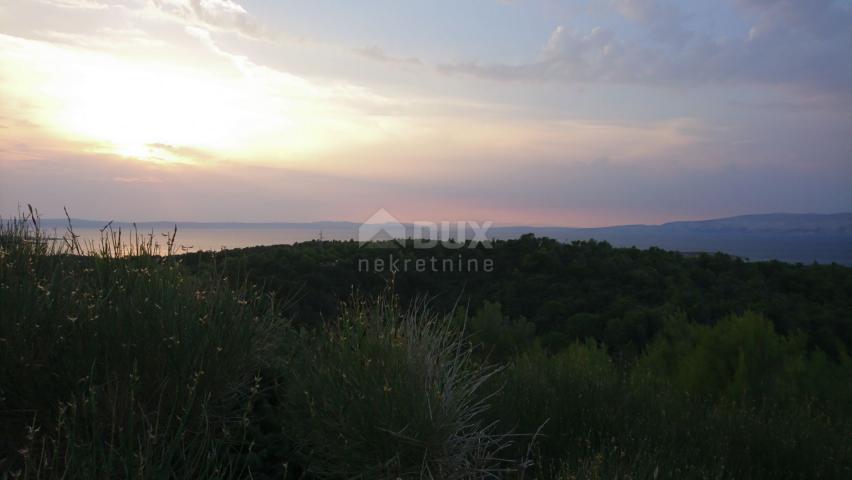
column 195, row 239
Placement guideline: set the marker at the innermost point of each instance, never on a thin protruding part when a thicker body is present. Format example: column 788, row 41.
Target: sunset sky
column 550, row 112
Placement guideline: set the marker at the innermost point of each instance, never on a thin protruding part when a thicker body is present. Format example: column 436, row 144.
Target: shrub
column 500, row 337
column 388, row 393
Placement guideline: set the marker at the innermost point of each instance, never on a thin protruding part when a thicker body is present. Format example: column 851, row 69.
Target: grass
column 118, row 364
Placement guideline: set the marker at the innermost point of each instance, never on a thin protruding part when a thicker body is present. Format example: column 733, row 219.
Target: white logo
column 381, row 226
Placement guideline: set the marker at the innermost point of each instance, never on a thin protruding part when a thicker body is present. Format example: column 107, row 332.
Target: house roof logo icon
column 381, row 226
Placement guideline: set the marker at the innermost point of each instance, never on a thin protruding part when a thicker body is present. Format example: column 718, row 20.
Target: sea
column 824, row 249
column 214, row 239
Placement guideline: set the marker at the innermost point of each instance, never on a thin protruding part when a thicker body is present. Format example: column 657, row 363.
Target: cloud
column 821, row 18
column 573, row 56
column 137, row 179
column 775, row 56
column 82, row 4
column 527, row 190
column 376, row 53
column 218, row 14
column 361, row 128
column 105, row 38
column 663, row 19
column 179, row 153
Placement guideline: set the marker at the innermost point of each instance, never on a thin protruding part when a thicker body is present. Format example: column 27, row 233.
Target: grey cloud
column 663, row 19
column 779, row 57
column 573, row 56
column 822, row 18
column 378, row 54
column 797, row 44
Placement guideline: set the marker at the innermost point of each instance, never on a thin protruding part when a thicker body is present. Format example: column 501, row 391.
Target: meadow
column 120, row 359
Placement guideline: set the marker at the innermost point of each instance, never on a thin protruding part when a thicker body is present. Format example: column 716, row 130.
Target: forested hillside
column 564, row 362
column 564, row 291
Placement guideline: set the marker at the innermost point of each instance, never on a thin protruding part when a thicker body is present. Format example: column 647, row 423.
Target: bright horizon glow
column 132, row 109
column 582, row 114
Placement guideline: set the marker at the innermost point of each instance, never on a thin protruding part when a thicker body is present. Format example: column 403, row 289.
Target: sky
column 540, row 112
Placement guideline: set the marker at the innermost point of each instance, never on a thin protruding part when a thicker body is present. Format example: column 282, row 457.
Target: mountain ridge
column 792, row 223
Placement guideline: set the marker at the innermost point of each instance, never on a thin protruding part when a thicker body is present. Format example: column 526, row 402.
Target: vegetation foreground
column 119, row 362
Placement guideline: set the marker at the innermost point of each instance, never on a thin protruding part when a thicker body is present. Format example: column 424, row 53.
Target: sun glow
column 131, row 108
column 175, row 113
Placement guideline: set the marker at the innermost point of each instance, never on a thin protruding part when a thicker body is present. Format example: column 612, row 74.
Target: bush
column 598, row 419
column 742, row 360
column 387, row 393
column 500, row 337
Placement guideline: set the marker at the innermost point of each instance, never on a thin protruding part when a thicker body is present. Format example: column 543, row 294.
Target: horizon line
column 355, row 223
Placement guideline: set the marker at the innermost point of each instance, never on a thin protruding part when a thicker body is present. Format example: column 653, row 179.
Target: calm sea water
column 789, row 248
column 195, row 239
